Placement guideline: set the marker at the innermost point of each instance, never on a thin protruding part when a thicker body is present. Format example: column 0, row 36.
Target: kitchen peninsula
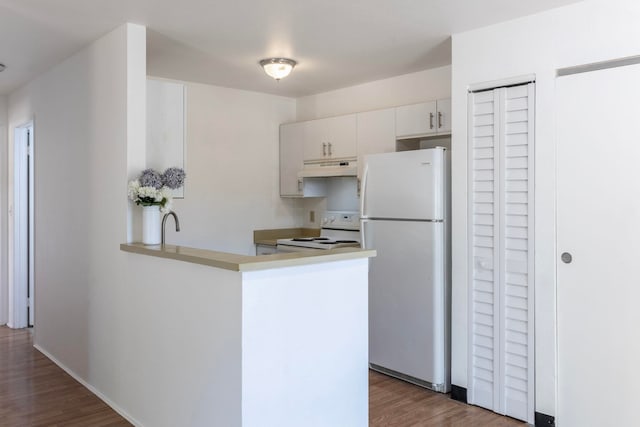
column 282, row 340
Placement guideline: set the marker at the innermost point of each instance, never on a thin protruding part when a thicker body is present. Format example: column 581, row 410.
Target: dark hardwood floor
column 395, row 403
column 36, row 392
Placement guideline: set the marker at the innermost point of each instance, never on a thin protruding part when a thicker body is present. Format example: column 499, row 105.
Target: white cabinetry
column 427, row 118
column 352, row 136
column 443, row 116
column 376, row 134
column 416, row 119
column 291, row 148
column 332, row 138
column 292, row 138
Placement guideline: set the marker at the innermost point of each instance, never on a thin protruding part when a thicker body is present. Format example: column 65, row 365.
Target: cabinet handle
column 299, row 184
column 439, row 119
column 430, row 120
column 329, row 144
column 324, row 148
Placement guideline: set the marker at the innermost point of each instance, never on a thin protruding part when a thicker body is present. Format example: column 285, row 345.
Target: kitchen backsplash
column 342, row 195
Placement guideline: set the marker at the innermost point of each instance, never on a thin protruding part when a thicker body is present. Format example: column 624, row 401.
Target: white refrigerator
column 405, row 218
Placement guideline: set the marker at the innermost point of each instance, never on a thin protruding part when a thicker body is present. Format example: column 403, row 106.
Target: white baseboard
column 92, row 389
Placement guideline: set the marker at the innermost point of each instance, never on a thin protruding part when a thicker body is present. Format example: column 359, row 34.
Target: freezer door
column 407, row 313
column 404, row 185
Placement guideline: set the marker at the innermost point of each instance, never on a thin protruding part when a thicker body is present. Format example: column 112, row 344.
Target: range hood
column 328, row 168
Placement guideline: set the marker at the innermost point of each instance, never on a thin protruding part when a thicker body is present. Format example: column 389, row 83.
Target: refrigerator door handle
column 363, row 191
column 363, row 242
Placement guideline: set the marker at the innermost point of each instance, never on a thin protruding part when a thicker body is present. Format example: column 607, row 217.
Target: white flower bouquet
column 153, row 188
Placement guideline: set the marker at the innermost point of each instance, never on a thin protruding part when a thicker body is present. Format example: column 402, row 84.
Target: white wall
column 232, row 184
column 582, row 33
column 86, row 111
column 411, row 88
column 4, row 289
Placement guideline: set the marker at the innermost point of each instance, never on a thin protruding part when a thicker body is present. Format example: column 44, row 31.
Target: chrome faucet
column 164, row 222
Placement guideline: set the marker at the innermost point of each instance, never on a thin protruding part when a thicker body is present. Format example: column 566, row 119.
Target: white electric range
column 339, row 229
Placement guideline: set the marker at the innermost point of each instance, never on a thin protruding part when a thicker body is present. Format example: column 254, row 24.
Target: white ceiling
column 337, row 43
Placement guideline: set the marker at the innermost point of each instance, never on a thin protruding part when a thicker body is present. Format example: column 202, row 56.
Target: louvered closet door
column 501, row 376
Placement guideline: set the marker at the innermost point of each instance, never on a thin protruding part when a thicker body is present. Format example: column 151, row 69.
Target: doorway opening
column 22, row 300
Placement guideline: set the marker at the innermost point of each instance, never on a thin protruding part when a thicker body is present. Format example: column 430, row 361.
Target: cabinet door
column 375, row 134
column 315, row 139
column 444, row 116
column 331, row 138
column 291, row 149
column 341, row 136
column 416, row 120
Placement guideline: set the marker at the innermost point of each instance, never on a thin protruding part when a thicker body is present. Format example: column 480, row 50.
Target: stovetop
column 339, row 229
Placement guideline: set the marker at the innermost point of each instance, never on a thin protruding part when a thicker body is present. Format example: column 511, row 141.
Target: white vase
column 151, row 225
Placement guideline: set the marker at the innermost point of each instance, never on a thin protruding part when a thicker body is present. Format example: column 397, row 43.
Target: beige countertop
column 237, row 262
column 270, row 237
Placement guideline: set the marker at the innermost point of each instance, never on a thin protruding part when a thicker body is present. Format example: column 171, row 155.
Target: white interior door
column 598, row 291
column 22, row 305
column 501, row 274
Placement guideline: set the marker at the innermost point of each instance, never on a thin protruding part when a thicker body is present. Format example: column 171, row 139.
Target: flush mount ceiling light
column 278, row 67
column 2, row 67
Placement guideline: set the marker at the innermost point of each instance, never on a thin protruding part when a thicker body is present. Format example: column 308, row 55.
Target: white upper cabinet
column 292, row 137
column 291, row 153
column 443, row 122
column 427, row 118
column 332, row 138
column 376, row 134
column 342, row 136
column 314, row 141
column 416, row 119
